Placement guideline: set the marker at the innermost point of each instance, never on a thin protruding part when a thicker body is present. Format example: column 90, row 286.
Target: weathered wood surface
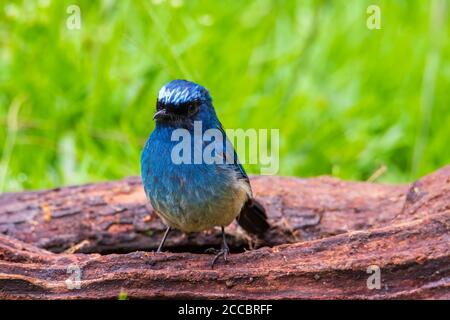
column 325, row 235
column 116, row 217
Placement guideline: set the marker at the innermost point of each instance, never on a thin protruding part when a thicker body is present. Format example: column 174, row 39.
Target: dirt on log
column 327, row 238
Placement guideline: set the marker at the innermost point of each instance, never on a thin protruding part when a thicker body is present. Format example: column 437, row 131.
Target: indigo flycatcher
column 196, row 183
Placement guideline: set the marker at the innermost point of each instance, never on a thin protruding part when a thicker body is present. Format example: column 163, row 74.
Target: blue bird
column 191, row 195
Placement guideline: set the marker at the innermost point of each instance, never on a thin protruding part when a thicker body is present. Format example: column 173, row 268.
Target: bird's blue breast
column 190, row 197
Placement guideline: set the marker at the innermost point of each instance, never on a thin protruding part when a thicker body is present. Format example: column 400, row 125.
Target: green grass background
column 76, row 105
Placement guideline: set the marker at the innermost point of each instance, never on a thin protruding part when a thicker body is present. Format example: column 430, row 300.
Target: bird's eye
column 193, row 107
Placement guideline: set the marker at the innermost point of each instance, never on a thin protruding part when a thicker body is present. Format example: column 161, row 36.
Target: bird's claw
column 223, row 252
column 211, row 250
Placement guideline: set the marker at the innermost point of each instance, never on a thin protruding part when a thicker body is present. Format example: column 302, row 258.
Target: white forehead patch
column 173, row 95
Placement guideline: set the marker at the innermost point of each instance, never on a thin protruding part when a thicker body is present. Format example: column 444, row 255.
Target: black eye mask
column 182, row 110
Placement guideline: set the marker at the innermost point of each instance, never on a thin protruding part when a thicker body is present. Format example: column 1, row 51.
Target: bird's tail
column 253, row 218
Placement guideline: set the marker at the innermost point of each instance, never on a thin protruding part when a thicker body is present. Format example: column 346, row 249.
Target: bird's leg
column 163, row 240
column 224, row 251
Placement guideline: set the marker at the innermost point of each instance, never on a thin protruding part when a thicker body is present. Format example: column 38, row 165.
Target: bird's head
column 181, row 101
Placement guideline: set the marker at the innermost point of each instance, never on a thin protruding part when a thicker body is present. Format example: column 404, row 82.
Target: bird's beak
column 159, row 114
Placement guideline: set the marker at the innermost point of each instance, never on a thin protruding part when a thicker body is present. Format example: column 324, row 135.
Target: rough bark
column 115, row 217
column 325, row 235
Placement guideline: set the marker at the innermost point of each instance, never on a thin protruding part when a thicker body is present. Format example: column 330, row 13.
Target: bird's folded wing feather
column 230, row 158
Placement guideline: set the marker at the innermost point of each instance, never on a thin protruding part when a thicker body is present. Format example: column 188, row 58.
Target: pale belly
column 194, row 218
column 193, row 201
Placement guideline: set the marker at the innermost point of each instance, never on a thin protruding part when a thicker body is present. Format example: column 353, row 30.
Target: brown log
column 325, row 235
column 116, row 217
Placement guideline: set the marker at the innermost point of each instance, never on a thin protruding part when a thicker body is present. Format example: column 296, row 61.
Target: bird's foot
column 211, row 251
column 224, row 252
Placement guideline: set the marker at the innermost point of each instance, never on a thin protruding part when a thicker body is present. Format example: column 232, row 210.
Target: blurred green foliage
column 76, row 105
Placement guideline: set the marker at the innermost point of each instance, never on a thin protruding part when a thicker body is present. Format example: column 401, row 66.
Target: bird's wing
column 253, row 217
column 230, row 153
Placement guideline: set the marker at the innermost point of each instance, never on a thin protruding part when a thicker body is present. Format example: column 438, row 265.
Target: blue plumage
column 193, row 196
column 178, row 92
